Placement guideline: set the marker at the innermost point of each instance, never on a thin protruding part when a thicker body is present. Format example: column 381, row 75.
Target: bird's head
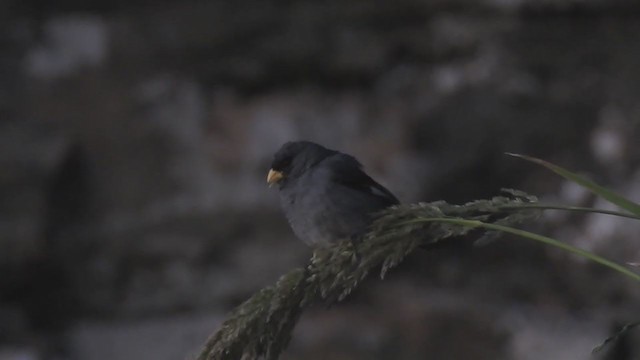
column 293, row 159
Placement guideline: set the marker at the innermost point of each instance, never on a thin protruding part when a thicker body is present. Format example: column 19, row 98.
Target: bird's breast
column 319, row 217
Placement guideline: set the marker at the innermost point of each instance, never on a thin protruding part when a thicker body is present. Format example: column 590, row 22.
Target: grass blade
column 623, row 331
column 573, row 209
column 540, row 238
column 599, row 190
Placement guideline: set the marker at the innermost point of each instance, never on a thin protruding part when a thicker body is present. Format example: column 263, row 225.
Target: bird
column 325, row 194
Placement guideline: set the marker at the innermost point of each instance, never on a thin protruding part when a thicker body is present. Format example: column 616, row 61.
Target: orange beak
column 273, row 177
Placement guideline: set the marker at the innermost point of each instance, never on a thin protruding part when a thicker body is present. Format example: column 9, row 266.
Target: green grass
column 261, row 327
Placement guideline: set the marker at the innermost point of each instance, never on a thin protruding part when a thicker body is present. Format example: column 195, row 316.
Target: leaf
column 599, row 190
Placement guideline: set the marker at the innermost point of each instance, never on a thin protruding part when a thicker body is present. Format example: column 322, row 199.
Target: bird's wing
column 347, row 171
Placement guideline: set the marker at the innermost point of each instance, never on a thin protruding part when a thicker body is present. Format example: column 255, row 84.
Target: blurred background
column 135, row 138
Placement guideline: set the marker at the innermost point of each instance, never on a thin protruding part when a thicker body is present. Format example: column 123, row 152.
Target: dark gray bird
column 325, row 194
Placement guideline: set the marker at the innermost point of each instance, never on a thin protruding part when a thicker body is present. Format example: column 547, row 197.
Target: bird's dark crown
column 298, row 156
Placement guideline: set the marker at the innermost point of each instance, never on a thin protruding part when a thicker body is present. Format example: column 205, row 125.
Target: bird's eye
column 281, row 164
